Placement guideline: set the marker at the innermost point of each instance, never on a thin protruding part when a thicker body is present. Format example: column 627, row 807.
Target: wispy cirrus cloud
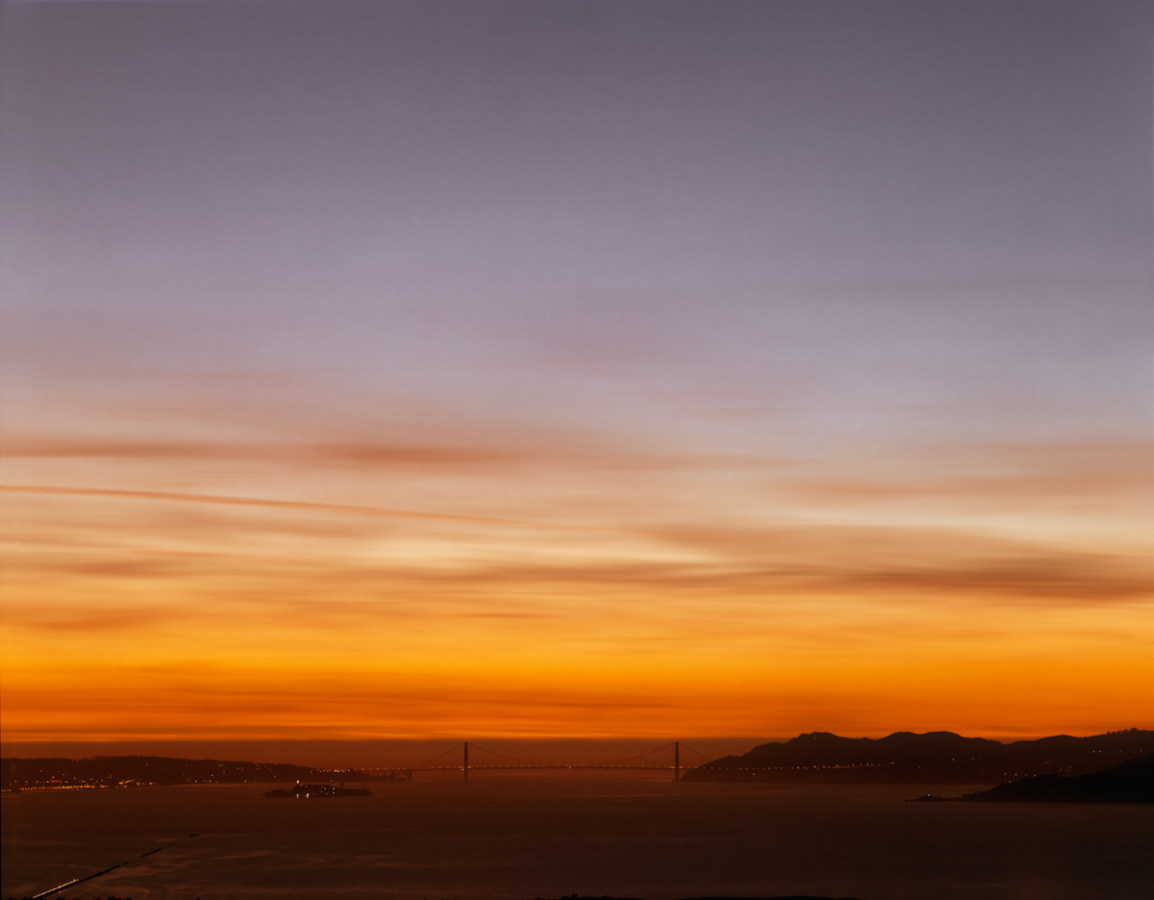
column 368, row 453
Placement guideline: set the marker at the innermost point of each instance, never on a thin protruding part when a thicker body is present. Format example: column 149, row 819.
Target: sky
column 434, row 370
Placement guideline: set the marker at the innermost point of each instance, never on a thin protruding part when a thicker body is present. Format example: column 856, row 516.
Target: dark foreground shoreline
column 775, row 897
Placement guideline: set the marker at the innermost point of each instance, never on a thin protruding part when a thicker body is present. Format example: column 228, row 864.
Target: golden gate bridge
column 492, row 760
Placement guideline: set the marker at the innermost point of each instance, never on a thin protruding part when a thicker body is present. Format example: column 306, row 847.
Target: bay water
column 519, row 836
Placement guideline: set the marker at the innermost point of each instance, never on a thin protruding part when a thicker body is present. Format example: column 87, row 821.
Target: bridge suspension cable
column 645, row 760
column 629, row 759
column 429, row 762
column 697, row 753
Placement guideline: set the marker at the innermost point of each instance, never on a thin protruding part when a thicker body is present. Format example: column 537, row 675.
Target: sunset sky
column 636, row 369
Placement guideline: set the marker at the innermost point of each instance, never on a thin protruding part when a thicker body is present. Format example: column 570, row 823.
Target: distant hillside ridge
column 908, row 758
column 18, row 773
column 1128, row 782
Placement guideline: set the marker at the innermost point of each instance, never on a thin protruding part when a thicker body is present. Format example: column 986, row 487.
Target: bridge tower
column 465, row 767
column 677, row 762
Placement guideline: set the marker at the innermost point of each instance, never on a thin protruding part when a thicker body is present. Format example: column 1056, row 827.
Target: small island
column 315, row 791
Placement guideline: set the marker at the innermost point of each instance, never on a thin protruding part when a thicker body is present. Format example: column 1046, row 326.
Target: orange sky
column 580, row 373
column 148, row 614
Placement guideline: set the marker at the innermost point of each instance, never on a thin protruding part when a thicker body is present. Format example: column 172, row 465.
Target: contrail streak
column 295, row 505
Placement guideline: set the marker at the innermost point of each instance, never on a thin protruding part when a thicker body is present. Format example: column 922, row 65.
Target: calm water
column 505, row 836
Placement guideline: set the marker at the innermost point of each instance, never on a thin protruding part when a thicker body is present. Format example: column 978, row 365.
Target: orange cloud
column 994, row 475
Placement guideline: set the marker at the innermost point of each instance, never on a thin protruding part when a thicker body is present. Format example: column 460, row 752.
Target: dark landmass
column 907, row 758
column 128, row 771
column 1128, row 782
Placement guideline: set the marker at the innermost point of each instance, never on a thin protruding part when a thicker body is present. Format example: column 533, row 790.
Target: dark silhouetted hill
column 907, row 758
column 1128, row 782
